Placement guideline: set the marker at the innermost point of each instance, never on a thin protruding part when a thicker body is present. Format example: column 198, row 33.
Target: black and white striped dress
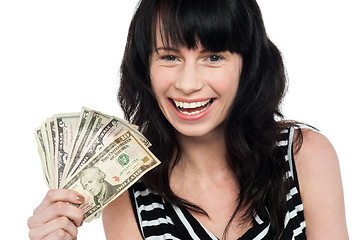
column 158, row 219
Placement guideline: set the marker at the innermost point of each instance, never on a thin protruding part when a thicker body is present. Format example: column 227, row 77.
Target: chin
column 197, row 132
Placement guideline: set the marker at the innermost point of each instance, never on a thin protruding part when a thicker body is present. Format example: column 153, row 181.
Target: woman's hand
column 55, row 218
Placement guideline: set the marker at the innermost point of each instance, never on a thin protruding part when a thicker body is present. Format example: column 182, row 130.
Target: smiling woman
column 193, row 91
column 236, row 134
column 204, row 83
column 231, row 150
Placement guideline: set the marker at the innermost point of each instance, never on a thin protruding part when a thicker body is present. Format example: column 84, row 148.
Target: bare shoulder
column 321, row 187
column 119, row 221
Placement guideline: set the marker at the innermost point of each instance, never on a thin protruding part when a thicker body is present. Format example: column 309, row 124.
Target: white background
column 57, row 56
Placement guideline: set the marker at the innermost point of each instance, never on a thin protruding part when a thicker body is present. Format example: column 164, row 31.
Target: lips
column 192, row 108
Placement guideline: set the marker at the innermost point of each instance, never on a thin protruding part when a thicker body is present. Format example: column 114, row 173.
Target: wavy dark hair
column 254, row 123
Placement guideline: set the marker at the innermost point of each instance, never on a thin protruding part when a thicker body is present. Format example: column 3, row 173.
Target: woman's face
column 194, row 88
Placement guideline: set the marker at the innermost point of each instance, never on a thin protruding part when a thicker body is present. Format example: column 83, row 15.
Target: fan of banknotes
column 97, row 155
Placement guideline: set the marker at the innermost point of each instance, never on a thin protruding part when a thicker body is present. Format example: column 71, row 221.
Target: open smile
column 192, row 108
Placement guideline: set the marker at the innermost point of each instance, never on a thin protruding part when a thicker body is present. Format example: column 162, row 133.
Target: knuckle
column 63, row 221
column 30, row 222
column 59, row 207
column 61, row 234
column 50, row 195
column 33, row 235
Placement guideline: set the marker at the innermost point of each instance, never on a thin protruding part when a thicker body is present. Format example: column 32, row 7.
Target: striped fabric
column 158, row 220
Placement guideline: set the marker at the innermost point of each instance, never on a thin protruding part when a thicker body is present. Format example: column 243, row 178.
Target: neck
column 203, row 168
column 204, row 157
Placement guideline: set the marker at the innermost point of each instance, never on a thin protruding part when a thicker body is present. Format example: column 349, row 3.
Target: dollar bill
column 135, row 130
column 65, row 129
column 80, row 126
column 85, row 112
column 111, row 172
column 98, row 155
column 50, row 130
column 49, row 163
column 43, row 155
column 105, row 135
column 94, row 122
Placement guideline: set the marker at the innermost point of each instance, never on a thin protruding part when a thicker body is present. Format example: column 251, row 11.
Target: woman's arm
column 321, row 188
column 119, row 220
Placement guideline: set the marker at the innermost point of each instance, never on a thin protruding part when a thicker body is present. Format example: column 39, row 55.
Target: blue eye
column 215, row 58
column 170, row 58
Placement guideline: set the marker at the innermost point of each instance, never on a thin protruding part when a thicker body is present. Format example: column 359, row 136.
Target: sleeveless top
column 158, row 220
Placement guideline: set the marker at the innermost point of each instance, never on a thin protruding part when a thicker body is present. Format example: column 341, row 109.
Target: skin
column 321, row 188
column 193, row 76
column 54, row 218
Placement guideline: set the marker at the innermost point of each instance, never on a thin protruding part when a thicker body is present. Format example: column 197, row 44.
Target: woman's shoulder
column 320, row 186
column 119, row 220
column 313, row 139
column 315, row 154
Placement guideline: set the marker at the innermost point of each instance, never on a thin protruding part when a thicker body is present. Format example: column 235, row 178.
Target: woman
column 204, row 83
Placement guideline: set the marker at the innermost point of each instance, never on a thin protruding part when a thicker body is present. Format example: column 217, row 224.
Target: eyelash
column 172, row 58
column 167, row 58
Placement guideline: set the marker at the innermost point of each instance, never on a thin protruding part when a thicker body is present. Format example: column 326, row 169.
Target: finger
column 56, row 210
column 65, row 209
column 59, row 234
column 56, row 195
column 59, row 223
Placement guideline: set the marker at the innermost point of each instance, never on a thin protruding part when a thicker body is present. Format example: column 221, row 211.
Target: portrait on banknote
column 93, row 181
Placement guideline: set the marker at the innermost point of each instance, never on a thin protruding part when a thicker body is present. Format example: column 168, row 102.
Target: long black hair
column 254, row 123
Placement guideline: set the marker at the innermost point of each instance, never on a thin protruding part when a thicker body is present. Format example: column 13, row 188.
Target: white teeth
column 190, row 105
column 192, row 113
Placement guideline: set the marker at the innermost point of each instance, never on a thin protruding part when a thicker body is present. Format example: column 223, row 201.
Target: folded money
column 97, row 155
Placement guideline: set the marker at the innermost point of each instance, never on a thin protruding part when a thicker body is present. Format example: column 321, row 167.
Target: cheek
column 161, row 81
column 224, row 82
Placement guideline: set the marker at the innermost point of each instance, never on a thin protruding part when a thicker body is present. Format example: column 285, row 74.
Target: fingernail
column 80, row 198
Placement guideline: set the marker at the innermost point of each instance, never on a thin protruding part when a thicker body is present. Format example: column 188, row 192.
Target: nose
column 189, row 79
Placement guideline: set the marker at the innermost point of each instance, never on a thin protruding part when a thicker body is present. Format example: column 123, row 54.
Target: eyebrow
column 177, row 50
column 166, row 49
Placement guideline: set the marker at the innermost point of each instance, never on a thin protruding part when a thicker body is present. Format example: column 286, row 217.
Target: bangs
column 188, row 23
